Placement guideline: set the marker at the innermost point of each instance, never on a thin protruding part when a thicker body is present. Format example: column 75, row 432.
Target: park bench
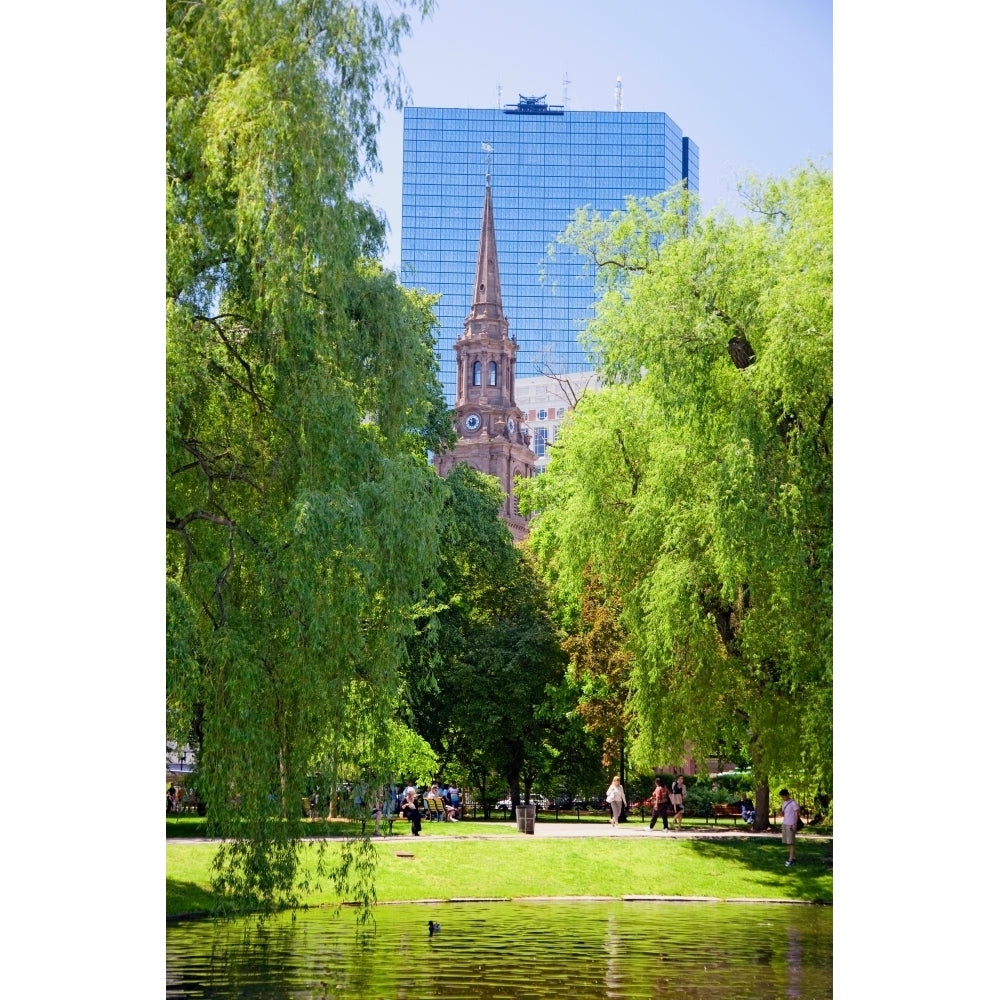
column 379, row 819
column 735, row 813
column 435, row 807
column 724, row 810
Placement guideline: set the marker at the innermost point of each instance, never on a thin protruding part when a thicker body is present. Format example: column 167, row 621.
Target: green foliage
column 699, row 491
column 705, row 791
column 486, row 653
column 301, row 399
column 353, row 877
column 368, row 749
column 573, row 763
column 733, row 783
column 601, row 664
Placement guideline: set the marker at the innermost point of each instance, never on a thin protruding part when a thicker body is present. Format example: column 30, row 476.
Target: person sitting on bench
column 410, row 811
column 437, row 805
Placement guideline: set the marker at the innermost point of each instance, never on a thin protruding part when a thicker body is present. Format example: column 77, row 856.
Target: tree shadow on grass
column 184, row 898
column 810, row 878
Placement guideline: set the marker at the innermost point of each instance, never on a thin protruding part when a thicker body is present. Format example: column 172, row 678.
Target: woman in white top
column 678, row 793
column 615, row 797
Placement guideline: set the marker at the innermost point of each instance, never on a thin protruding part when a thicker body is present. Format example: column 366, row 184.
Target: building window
column 541, row 437
column 543, row 414
column 551, row 165
column 477, row 374
column 493, row 373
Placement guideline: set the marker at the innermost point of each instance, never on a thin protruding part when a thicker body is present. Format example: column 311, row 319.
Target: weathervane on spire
column 488, row 150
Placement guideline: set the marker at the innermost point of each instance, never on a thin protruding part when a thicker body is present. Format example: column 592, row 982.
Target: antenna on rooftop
column 566, row 81
column 499, row 95
column 618, row 94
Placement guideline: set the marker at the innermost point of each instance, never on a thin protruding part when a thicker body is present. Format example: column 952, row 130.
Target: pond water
column 513, row 950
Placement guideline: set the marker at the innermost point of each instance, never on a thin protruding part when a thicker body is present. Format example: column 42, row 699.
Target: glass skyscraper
column 545, row 163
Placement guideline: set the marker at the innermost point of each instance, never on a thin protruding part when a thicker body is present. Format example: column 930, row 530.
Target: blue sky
column 750, row 82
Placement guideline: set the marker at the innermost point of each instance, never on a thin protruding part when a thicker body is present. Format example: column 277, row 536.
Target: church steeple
column 493, row 437
column 487, row 302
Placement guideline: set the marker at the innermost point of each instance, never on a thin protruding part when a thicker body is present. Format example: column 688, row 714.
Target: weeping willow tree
column 698, row 484
column 302, row 398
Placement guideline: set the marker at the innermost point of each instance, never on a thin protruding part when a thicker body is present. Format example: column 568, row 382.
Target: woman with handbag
column 615, row 797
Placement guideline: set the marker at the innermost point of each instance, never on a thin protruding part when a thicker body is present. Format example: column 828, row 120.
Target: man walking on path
column 659, row 803
column 789, row 823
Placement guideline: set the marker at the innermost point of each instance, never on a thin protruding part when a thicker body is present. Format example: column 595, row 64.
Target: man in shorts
column 789, row 824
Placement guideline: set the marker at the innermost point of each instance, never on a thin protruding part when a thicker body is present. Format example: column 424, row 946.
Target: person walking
column 615, row 796
column 789, row 823
column 678, row 793
column 660, row 803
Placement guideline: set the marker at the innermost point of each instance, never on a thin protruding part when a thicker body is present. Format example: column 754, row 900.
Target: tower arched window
column 493, row 373
column 477, row 373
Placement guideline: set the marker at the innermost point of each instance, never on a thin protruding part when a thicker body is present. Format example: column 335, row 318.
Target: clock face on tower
column 472, row 422
column 510, row 425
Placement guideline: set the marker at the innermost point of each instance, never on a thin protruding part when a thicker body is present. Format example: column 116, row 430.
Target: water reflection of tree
column 700, row 952
column 614, row 974
column 793, row 961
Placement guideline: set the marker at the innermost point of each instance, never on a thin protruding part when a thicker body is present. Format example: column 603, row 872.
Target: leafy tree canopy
column 601, row 665
column 487, row 653
column 302, row 396
column 698, row 484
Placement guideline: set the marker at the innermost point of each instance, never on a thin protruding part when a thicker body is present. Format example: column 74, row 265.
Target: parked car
column 539, row 801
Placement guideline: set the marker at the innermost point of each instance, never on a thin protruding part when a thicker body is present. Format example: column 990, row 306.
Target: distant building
column 181, row 762
column 492, row 434
column 546, row 400
column 547, row 163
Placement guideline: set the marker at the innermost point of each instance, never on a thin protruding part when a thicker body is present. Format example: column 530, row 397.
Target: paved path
column 567, row 830
column 554, row 831
column 633, row 828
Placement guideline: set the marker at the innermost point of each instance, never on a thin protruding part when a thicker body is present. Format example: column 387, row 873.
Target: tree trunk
column 514, row 793
column 762, row 806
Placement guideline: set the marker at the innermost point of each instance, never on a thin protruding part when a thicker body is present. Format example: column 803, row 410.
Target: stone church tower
column 492, row 436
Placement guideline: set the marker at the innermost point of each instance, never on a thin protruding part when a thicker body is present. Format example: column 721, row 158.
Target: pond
column 575, row 950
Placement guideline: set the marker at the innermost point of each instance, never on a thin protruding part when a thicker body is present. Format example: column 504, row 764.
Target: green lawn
column 487, row 866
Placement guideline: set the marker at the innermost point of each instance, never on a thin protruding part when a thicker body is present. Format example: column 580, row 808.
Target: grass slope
column 525, row 866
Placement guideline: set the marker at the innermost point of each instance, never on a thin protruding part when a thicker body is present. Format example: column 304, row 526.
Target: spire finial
column 488, row 150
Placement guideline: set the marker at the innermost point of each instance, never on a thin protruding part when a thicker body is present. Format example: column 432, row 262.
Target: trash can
column 526, row 819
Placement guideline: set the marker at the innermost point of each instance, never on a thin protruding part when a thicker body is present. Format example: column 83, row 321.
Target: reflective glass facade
column 543, row 168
